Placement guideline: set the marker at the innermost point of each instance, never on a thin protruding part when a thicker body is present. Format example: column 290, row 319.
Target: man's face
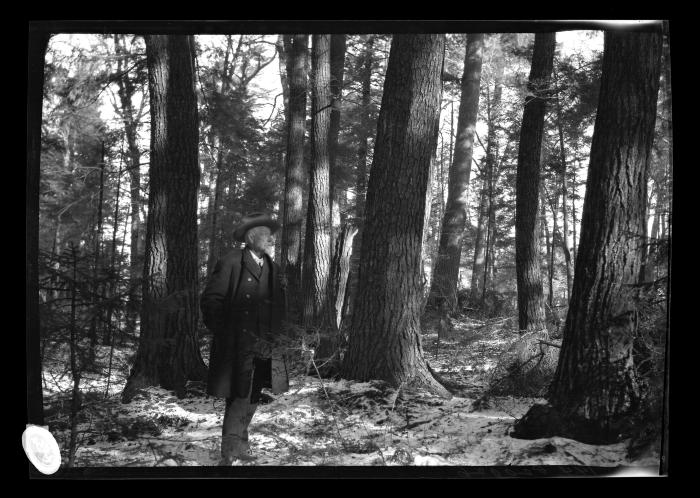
column 260, row 239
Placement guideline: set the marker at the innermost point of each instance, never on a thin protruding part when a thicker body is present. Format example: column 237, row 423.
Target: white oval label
column 41, row 449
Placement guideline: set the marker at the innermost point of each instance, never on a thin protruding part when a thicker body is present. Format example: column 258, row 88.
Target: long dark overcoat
column 244, row 307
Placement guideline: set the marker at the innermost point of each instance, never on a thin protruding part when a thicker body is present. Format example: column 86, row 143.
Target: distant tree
column 485, row 239
column 131, row 78
column 444, row 284
column 576, row 79
column 384, row 341
column 231, row 135
column 564, row 188
column 595, row 392
column 168, row 354
column 654, row 262
column 531, row 316
column 294, row 174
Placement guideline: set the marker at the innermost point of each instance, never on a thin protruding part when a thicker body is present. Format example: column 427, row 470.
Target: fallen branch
column 416, row 424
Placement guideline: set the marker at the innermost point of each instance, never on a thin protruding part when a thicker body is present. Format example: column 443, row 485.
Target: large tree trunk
column 595, row 389
column 317, row 248
column 446, row 274
column 531, row 317
column 385, row 342
column 284, row 49
column 294, row 175
column 337, row 64
column 36, row 52
column 361, row 183
column 168, row 354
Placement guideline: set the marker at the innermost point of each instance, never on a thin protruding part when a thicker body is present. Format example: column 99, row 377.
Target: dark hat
column 254, row 220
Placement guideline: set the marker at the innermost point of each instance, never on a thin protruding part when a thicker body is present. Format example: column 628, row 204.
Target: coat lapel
column 251, row 265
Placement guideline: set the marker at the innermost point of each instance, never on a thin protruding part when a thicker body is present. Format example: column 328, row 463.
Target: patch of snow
column 322, row 423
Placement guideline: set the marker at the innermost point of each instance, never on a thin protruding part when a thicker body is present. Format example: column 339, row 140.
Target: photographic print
column 329, row 248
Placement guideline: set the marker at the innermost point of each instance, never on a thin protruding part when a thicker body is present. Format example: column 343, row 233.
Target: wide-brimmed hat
column 253, row 220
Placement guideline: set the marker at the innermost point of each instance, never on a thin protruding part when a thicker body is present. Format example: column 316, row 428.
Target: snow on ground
column 323, row 422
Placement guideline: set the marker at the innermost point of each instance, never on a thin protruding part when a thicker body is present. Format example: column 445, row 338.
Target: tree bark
column 284, row 48
column 340, row 269
column 168, row 353
column 446, row 274
column 361, row 182
column 595, row 388
column 317, row 248
column 385, row 342
column 294, row 173
column 36, row 52
column 337, row 63
column 531, row 317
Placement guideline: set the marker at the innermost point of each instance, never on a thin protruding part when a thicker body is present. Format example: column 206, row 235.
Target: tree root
column 426, row 379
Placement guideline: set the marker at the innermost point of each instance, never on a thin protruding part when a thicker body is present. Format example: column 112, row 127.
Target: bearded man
column 243, row 305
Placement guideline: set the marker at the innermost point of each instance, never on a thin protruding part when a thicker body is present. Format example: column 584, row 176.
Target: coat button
column 245, row 312
column 250, row 279
column 248, row 296
column 244, row 330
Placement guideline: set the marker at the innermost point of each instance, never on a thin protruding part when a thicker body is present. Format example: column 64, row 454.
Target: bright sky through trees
column 267, row 86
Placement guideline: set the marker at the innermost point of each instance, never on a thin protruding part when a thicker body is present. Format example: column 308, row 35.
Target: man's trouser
column 239, row 412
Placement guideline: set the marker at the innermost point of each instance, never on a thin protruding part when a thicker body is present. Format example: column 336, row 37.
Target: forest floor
column 320, row 421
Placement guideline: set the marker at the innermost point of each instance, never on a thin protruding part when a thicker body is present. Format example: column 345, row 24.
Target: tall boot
column 234, row 439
